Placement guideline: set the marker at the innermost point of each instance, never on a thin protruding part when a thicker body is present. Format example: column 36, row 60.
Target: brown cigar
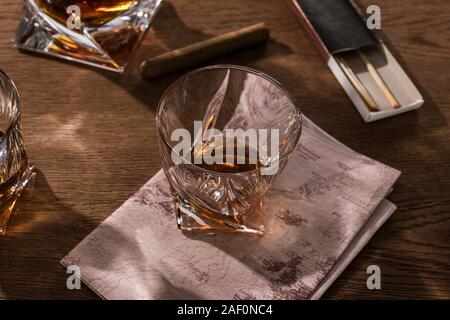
column 205, row 50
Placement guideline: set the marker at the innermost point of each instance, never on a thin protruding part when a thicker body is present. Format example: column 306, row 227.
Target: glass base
column 192, row 218
column 108, row 46
column 10, row 197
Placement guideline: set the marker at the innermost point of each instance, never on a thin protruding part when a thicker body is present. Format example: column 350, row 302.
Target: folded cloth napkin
column 322, row 210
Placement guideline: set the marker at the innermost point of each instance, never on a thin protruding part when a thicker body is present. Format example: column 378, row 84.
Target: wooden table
column 92, row 135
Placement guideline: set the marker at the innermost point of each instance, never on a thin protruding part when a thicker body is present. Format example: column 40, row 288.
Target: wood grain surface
column 92, row 135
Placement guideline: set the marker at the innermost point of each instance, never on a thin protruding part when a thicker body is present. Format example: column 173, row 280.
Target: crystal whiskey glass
column 101, row 33
column 15, row 173
column 241, row 127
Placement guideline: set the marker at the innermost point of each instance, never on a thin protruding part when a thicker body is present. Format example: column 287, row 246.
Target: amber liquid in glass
column 8, row 198
column 241, row 160
column 237, row 183
column 93, row 12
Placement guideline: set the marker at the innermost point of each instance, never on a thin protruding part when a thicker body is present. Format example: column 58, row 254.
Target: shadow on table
column 287, row 260
column 167, row 29
column 42, row 230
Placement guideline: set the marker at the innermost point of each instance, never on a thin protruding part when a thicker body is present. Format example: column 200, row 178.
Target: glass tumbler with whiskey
column 101, row 33
column 15, row 173
column 226, row 132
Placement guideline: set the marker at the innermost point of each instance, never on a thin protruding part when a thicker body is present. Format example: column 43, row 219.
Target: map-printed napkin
column 322, row 210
